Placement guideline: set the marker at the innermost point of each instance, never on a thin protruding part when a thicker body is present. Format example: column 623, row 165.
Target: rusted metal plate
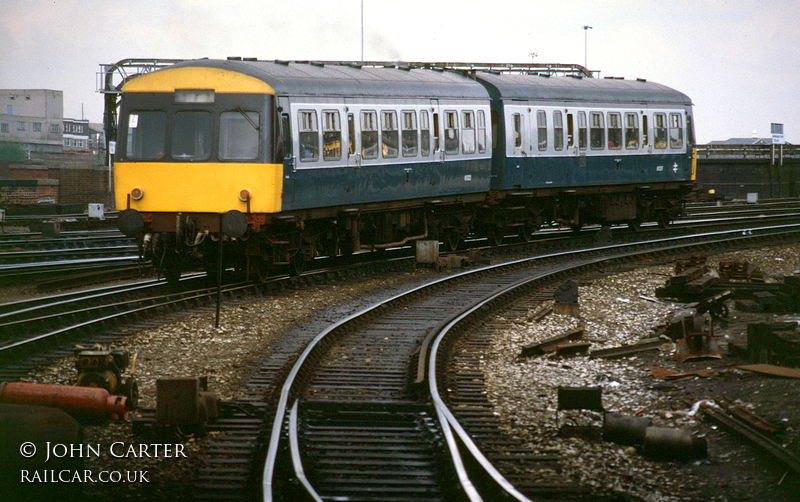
column 770, row 369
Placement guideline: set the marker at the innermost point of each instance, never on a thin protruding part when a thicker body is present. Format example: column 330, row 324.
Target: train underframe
column 287, row 242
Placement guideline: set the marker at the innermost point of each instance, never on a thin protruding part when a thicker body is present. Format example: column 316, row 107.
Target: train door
column 353, row 139
column 438, row 147
column 518, row 143
column 289, row 160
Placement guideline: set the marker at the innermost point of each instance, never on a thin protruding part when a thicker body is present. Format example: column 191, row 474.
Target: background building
column 34, row 118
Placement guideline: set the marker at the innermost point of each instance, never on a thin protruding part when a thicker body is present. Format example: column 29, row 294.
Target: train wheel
column 173, row 275
column 526, row 232
column 575, row 227
column 496, row 235
column 663, row 219
column 635, row 225
column 451, row 240
column 263, row 270
column 297, row 264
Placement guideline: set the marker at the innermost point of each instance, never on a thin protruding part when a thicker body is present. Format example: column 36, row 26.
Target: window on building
column 410, row 135
column 10, row 109
column 451, row 133
column 369, row 135
column 238, row 135
column 147, row 132
column 597, row 131
column 66, row 142
column 675, row 130
column 425, row 133
column 614, row 131
column 309, row 136
column 660, row 130
column 541, row 127
column 631, row 131
column 468, row 132
column 20, row 125
column 582, row 130
column 558, row 130
column 54, row 128
column 481, row 131
column 191, row 135
column 4, row 127
column 37, row 127
column 389, row 134
column 331, row 135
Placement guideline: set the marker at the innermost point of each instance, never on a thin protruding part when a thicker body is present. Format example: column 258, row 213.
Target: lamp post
column 586, row 29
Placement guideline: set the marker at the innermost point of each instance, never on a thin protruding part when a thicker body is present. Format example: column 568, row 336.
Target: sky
column 738, row 60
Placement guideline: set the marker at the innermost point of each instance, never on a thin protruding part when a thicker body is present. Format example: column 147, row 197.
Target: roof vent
column 280, row 61
column 641, row 80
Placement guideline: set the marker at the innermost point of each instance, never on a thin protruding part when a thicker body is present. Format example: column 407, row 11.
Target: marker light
column 244, row 195
column 137, row 194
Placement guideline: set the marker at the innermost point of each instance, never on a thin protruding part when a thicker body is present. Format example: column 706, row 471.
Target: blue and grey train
column 295, row 160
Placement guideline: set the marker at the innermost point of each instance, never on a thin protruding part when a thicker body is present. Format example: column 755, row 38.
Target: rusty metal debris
column 769, row 369
column 627, row 350
column 698, row 341
column 550, row 345
column 665, row 374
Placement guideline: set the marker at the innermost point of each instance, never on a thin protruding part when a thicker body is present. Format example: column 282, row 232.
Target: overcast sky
column 738, row 60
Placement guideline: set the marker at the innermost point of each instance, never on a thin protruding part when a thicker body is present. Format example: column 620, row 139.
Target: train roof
column 571, row 89
column 325, row 79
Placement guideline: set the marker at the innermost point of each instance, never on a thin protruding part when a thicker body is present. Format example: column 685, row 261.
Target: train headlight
column 137, row 194
column 244, row 195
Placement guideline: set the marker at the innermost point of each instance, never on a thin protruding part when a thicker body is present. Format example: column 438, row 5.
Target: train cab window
column 286, row 131
column 331, row 135
column 614, row 131
column 468, row 132
column 351, row 134
column 582, row 130
column 389, row 134
column 451, row 133
column 238, row 135
column 675, row 130
column 481, row 131
column 597, row 131
column 147, row 135
column 517, row 130
column 558, row 130
column 409, row 134
column 541, row 126
column 645, row 132
column 425, row 133
column 631, row 131
column 191, row 135
column 659, row 130
column 369, row 135
column 309, row 136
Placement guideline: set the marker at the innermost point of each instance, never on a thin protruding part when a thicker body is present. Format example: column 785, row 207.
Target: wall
column 64, row 181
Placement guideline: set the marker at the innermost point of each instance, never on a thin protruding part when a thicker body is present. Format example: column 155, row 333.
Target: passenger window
column 467, row 132
column 660, row 130
column 517, row 130
column 645, row 131
column 351, row 134
column 451, row 133
column 389, row 134
column 558, row 131
column 425, row 134
column 147, row 135
column 369, row 135
column 238, row 135
column 582, row 130
column 597, row 132
column 309, row 136
column 614, row 131
column 191, row 135
column 675, row 130
column 631, row 131
column 541, row 126
column 410, row 134
column 331, row 135
column 481, row 131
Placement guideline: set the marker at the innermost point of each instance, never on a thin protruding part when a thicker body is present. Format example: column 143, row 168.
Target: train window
column 351, row 134
column 582, row 130
column 570, row 131
column 238, row 135
column 147, row 134
column 517, row 130
column 191, row 135
column 645, row 131
column 614, row 131
column 309, row 136
column 468, row 132
column 369, row 135
column 481, row 131
column 675, row 130
column 451, row 133
column 631, row 131
column 558, row 130
column 425, row 138
column 541, row 125
column 597, row 131
column 389, row 134
column 410, row 134
column 660, row 130
column 286, row 130
column 331, row 135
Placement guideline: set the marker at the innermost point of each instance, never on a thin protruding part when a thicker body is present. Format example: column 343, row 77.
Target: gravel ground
column 614, row 313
